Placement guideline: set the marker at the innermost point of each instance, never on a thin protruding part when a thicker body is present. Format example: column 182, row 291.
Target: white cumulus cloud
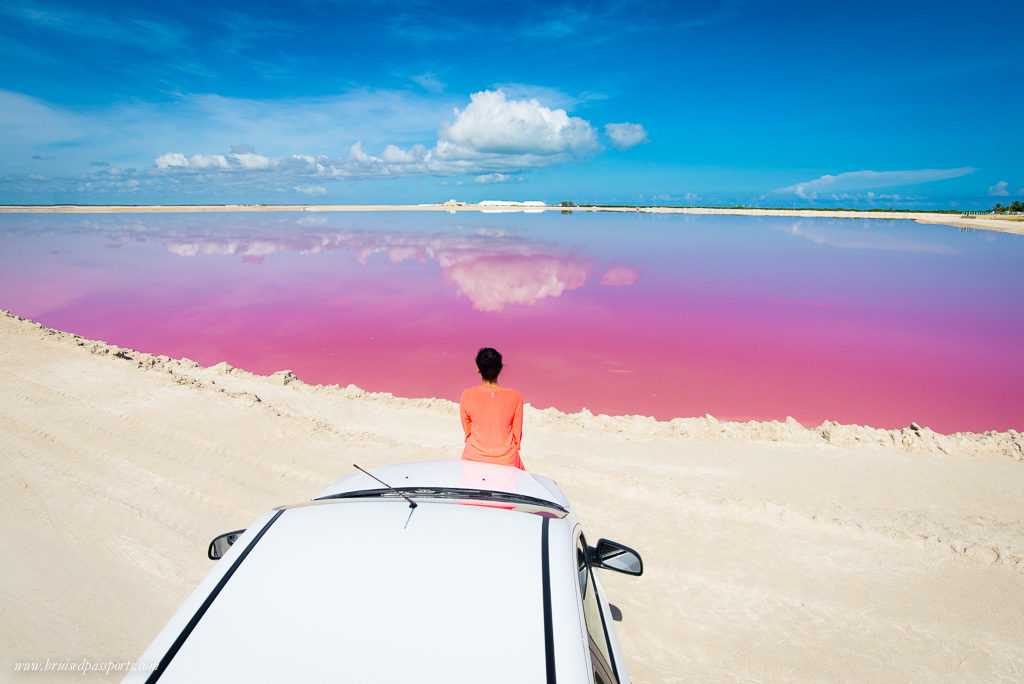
column 311, row 190
column 999, row 189
column 251, row 161
column 626, row 135
column 395, row 155
column 494, row 125
column 208, row 161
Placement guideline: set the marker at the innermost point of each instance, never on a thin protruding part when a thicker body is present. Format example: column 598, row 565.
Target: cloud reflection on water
column 618, row 275
column 490, row 268
column 492, row 281
column 843, row 233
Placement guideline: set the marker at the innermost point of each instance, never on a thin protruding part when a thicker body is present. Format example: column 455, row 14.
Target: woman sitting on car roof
column 492, row 416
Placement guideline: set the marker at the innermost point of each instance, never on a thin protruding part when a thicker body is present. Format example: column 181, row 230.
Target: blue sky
column 901, row 104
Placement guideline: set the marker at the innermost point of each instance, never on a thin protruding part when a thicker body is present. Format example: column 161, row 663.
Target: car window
column 599, row 652
column 581, row 569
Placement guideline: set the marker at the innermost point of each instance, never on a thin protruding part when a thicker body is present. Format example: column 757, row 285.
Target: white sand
column 987, row 222
column 771, row 552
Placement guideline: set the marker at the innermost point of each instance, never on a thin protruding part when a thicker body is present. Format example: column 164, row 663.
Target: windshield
column 519, row 502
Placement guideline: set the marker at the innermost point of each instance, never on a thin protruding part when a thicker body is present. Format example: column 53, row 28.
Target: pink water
column 861, row 321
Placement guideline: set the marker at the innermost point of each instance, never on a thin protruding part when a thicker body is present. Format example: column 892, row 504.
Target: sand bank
column 773, row 552
column 1004, row 225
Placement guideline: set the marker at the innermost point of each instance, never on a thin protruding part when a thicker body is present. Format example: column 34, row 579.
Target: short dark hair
column 488, row 362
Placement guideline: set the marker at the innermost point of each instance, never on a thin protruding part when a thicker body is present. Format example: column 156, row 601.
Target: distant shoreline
column 913, row 438
column 1004, row 225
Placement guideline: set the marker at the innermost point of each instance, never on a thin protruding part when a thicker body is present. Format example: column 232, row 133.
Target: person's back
column 492, row 416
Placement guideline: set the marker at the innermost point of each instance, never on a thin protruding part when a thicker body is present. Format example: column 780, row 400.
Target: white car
column 434, row 571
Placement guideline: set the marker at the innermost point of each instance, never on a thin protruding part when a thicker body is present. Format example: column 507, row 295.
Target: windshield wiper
column 412, row 504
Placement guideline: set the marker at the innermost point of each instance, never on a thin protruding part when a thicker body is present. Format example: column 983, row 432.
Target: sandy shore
column 773, row 552
column 1003, row 225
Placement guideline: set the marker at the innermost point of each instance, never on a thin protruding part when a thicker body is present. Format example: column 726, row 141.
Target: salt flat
column 773, row 552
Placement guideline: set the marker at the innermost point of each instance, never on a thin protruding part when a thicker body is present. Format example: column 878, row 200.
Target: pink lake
column 856, row 320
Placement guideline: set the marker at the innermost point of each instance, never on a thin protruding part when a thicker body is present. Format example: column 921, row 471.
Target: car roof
column 369, row 590
column 452, row 474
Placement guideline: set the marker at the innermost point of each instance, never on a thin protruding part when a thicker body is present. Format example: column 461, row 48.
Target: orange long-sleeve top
column 492, row 418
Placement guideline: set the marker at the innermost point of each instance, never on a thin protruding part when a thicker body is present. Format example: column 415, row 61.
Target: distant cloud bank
column 489, row 178
column 492, row 137
column 854, row 181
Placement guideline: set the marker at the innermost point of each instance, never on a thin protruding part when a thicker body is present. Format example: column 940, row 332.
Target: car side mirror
column 614, row 556
column 220, row 544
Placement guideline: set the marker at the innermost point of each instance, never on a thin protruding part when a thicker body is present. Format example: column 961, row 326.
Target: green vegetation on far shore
column 1015, row 207
column 750, row 206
